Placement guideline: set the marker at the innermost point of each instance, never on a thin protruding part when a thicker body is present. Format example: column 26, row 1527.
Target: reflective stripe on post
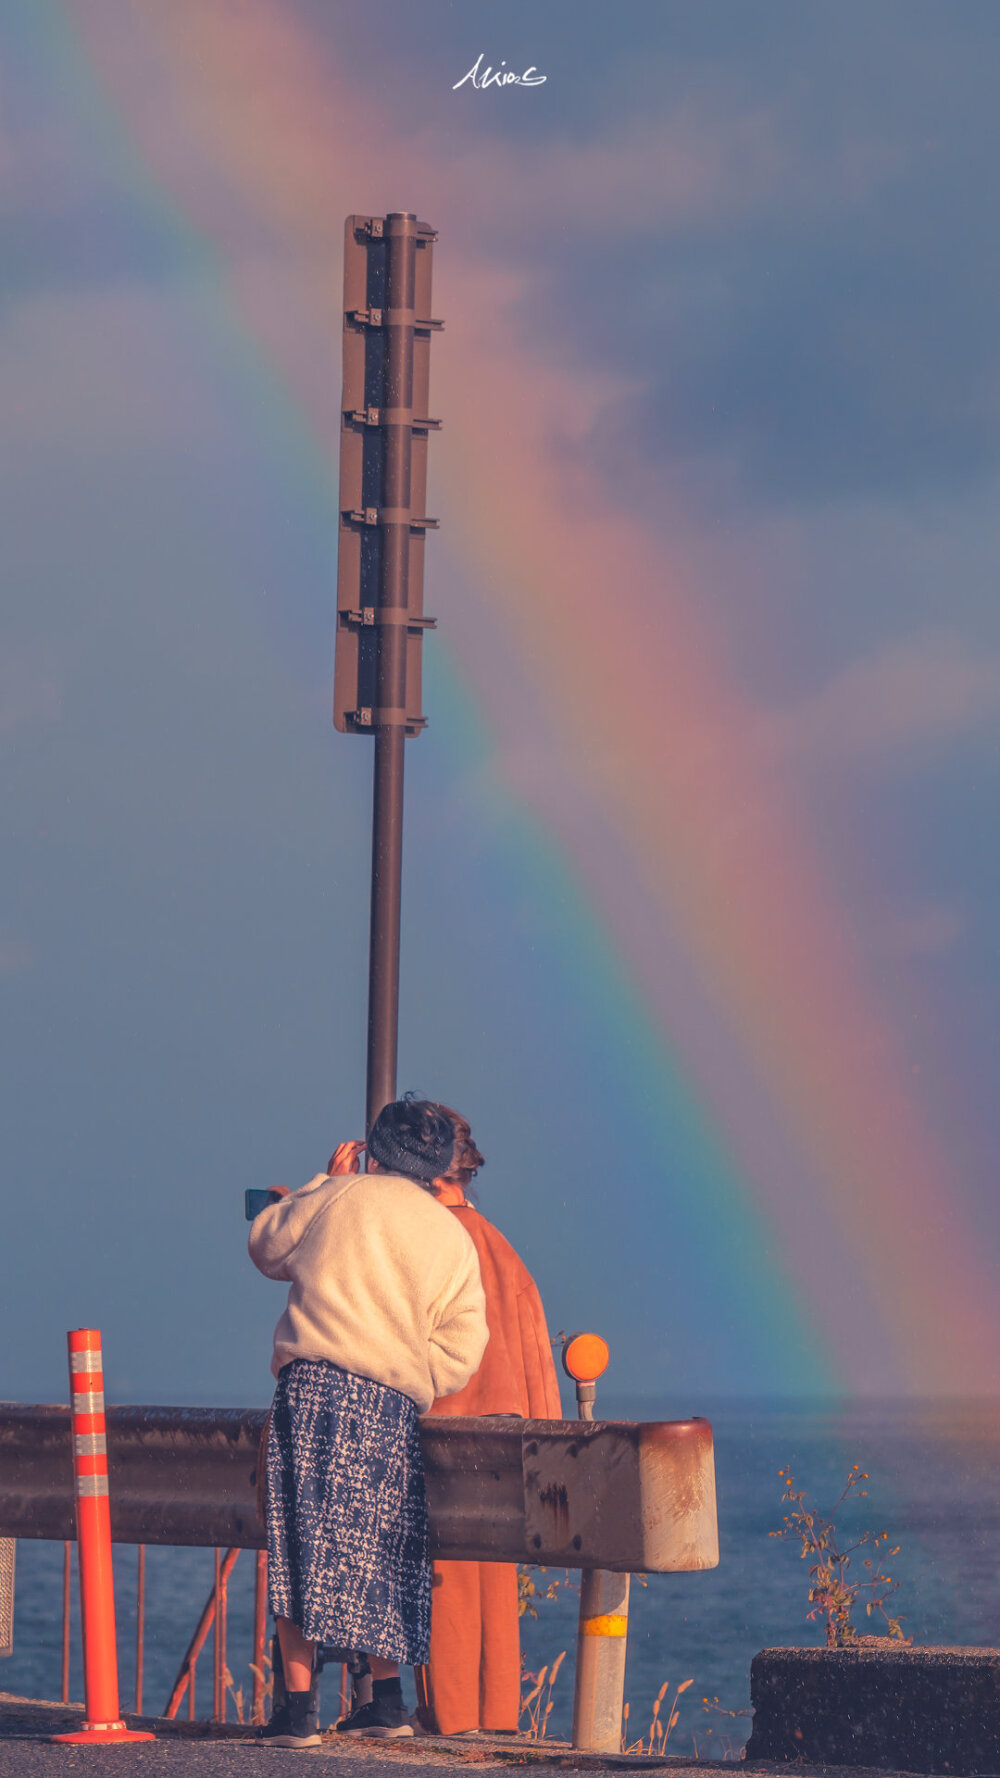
column 609, row 1625
column 102, row 1721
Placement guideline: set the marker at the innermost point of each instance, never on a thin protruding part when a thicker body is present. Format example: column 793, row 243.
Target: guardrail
column 616, row 1497
column 633, row 1497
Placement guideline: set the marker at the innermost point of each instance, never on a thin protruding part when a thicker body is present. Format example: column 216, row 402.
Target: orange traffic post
column 599, row 1689
column 102, row 1721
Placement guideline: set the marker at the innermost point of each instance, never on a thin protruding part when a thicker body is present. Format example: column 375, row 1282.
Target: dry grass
column 659, row 1731
column 266, row 1677
column 536, row 1700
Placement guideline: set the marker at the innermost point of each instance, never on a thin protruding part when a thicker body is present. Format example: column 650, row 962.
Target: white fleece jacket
column 385, row 1283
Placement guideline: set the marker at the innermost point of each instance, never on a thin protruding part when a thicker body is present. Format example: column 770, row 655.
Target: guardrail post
column 599, row 1692
column 67, row 1583
column 602, row 1637
column 219, row 1643
column 259, row 1636
column 140, row 1625
column 8, row 1555
column 93, row 1536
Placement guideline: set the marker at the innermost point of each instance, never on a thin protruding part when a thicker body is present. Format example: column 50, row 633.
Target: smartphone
column 257, row 1200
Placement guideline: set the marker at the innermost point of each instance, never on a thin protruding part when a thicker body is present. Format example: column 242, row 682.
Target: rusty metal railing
column 627, row 1496
column 214, row 1619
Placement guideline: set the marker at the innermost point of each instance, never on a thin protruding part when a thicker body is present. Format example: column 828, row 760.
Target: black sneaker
column 292, row 1725
column 385, row 1717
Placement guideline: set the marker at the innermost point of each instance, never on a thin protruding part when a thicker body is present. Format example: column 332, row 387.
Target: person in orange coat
column 473, row 1679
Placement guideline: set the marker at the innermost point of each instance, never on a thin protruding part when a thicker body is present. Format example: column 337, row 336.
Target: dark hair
column 466, row 1159
column 414, row 1137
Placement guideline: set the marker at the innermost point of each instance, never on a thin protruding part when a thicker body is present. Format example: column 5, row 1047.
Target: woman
column 385, row 1313
column 473, row 1679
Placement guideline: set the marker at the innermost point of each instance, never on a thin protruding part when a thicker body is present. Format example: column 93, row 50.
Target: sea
column 933, row 1485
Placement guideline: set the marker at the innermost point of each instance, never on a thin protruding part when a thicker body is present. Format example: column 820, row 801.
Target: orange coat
column 518, row 1373
column 473, row 1679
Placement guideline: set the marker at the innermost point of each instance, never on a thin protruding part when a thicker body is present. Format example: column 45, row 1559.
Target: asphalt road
column 26, row 1752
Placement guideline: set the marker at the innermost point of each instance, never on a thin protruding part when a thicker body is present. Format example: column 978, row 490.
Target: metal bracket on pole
column 375, row 515
column 381, row 614
column 372, row 416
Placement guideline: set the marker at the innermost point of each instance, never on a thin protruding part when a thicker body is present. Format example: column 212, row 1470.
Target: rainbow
column 703, row 910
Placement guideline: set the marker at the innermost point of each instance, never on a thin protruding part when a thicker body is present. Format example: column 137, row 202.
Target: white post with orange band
column 602, row 1637
column 93, row 1533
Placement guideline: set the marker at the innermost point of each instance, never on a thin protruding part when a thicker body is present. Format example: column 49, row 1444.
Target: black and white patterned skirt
column 347, row 1538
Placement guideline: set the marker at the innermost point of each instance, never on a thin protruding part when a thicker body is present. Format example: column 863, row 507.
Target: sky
column 701, row 861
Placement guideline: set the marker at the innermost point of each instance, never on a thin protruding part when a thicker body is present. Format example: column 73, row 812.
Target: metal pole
column 600, row 1661
column 389, row 714
column 197, row 1642
column 8, row 1568
column 216, row 1642
column 140, row 1625
column 65, row 1622
column 259, row 1635
column 602, row 1640
column 221, row 1622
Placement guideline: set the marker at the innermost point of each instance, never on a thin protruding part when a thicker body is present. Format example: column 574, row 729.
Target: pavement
column 209, row 1750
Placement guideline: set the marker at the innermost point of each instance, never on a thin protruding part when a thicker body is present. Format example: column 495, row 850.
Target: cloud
column 801, row 271
column 836, row 371
column 681, row 169
column 923, row 691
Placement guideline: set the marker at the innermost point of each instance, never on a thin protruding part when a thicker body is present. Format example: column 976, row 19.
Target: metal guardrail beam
column 633, row 1497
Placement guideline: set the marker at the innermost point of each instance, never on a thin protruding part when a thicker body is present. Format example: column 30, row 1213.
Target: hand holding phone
column 255, row 1200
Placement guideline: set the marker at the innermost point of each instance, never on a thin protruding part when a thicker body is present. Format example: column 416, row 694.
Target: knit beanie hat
column 413, row 1137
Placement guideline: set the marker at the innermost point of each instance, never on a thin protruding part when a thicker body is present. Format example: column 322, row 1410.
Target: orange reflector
column 604, row 1626
column 585, row 1357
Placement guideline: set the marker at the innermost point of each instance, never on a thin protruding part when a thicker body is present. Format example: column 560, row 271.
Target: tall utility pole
column 380, row 621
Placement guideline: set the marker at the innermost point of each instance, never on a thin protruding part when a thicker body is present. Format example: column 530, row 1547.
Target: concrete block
column 878, row 1703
